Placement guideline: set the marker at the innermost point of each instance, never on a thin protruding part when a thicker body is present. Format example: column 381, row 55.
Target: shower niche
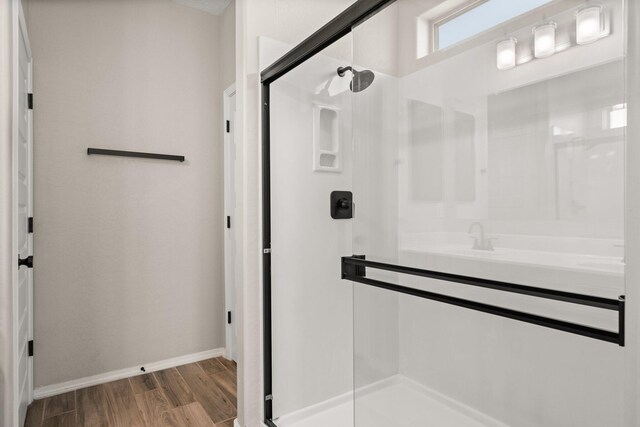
column 326, row 138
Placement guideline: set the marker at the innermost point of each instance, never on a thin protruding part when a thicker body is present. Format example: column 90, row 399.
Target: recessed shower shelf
column 326, row 138
column 354, row 269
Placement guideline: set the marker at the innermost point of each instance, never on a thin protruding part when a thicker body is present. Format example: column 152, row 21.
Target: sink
column 561, row 260
column 473, row 252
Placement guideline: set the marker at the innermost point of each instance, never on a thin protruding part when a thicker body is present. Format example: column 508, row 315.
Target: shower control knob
column 341, row 204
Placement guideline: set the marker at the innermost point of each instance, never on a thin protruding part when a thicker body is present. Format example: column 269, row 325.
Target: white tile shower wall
column 375, row 224
column 461, row 90
column 375, row 136
column 259, row 17
column 514, row 187
column 312, row 306
column 290, row 21
column 504, row 368
column 501, row 367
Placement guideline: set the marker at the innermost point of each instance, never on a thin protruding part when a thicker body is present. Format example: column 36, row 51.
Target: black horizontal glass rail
column 120, row 153
column 354, row 269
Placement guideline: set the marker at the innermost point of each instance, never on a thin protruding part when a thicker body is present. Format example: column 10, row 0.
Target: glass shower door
column 488, row 181
column 311, row 307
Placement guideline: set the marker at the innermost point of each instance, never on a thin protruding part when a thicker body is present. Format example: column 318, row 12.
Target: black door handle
column 28, row 261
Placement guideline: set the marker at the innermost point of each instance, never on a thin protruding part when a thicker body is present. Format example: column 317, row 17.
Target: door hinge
column 268, row 397
column 228, row 126
column 228, row 317
column 228, row 222
column 30, row 101
column 30, row 348
column 30, row 225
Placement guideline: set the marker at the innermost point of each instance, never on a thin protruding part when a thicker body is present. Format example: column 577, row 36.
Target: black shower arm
column 343, row 70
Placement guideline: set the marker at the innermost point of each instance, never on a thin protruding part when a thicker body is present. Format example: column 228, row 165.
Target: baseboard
column 55, row 389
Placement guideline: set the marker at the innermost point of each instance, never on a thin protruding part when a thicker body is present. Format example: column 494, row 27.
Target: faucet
column 480, row 242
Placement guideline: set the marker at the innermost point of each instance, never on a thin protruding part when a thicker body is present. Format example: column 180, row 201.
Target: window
column 477, row 18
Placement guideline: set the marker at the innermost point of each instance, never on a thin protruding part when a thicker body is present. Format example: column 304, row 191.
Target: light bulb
column 588, row 24
column 506, row 54
column 544, row 36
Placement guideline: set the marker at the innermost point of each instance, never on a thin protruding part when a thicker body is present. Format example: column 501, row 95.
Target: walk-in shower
column 480, row 278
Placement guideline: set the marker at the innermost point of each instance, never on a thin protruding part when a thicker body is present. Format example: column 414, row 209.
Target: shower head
column 360, row 80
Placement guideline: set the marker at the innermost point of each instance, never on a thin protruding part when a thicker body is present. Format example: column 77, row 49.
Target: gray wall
column 130, row 251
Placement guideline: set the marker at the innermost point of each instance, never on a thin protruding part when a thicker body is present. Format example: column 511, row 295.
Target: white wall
column 632, row 236
column 7, row 258
column 129, row 252
column 228, row 45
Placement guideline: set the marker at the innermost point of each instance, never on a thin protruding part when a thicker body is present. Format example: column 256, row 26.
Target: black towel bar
column 121, row 153
column 354, row 269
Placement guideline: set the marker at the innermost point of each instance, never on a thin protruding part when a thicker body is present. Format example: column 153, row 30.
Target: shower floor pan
column 398, row 402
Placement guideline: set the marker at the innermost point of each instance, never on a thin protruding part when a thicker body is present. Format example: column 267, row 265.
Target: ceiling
column 215, row 7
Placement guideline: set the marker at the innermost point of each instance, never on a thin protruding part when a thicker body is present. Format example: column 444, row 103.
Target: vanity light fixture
column 589, row 24
column 544, row 40
column 506, row 54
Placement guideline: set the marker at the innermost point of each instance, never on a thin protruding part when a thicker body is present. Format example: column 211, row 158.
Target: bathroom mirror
column 441, row 137
column 556, row 148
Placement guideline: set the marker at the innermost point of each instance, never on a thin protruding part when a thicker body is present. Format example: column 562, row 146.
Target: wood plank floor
column 200, row 394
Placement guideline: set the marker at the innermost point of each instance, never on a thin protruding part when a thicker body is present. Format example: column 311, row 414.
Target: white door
column 230, row 220
column 23, row 285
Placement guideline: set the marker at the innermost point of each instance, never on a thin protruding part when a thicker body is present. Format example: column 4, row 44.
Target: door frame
column 20, row 28
column 230, row 298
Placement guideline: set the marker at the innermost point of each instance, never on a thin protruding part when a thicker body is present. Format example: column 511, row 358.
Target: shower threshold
column 396, row 401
